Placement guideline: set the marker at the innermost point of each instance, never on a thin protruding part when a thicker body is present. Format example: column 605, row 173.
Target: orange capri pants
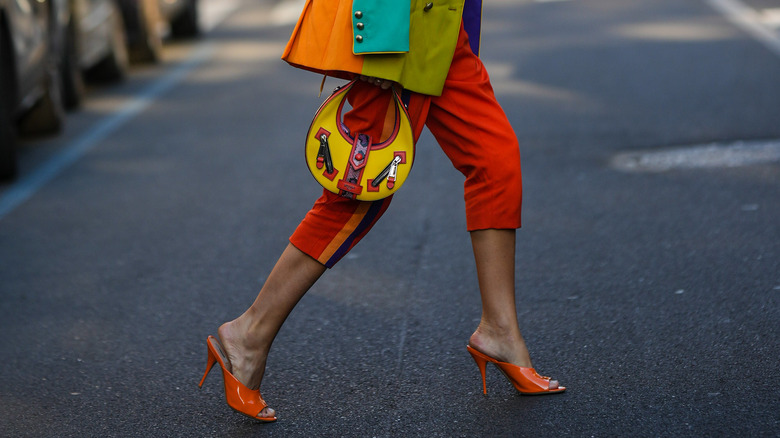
column 472, row 130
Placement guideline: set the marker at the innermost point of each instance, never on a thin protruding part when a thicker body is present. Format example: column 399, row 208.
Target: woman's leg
column 331, row 228
column 248, row 338
column 476, row 135
column 498, row 334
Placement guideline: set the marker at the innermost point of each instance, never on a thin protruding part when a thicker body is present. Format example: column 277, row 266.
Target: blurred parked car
column 30, row 96
column 47, row 46
column 145, row 21
column 182, row 16
column 95, row 46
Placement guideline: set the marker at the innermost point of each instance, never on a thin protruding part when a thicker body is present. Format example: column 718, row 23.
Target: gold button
column 360, row 26
column 358, row 14
column 359, row 38
column 428, row 7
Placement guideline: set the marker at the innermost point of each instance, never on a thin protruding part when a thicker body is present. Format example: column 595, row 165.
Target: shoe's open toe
column 267, row 414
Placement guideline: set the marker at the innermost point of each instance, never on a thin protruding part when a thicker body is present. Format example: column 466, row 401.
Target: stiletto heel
column 243, row 400
column 525, row 380
column 209, row 365
column 482, row 364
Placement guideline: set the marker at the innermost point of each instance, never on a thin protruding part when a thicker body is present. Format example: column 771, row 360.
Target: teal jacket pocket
column 380, row 26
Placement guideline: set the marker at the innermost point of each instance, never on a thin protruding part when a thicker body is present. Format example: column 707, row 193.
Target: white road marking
column 735, row 154
column 287, row 12
column 771, row 17
column 760, row 26
column 750, row 21
column 214, row 12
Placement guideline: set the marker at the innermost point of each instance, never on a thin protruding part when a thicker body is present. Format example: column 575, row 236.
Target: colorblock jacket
column 378, row 38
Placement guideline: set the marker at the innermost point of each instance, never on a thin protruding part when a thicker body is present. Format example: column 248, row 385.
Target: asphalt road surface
column 648, row 262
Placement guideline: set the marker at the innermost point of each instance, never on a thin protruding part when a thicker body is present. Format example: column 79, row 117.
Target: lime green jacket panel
column 433, row 34
column 380, row 26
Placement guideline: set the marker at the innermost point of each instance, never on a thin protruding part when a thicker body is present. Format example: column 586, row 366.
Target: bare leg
column 498, row 334
column 248, row 338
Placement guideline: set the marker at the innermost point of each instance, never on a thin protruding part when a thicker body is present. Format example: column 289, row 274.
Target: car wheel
column 72, row 81
column 47, row 116
column 148, row 48
column 185, row 25
column 8, row 167
column 114, row 66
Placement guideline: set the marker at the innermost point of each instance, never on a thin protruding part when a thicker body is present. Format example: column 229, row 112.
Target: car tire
column 113, row 68
column 47, row 116
column 73, row 88
column 148, row 48
column 8, row 165
column 185, row 25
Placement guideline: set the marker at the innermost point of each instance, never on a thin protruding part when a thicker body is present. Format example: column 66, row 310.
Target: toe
column 553, row 384
column 267, row 412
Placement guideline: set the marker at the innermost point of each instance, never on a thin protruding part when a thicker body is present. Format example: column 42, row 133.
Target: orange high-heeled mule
column 525, row 380
column 242, row 399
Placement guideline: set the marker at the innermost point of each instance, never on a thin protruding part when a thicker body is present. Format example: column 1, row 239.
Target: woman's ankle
column 501, row 344
column 245, row 361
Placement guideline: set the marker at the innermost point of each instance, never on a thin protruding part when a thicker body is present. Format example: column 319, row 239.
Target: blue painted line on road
column 27, row 186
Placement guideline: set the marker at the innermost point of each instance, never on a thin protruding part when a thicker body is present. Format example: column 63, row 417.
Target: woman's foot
column 245, row 361
column 503, row 345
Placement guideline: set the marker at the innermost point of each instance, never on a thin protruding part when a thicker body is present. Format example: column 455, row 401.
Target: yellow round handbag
column 349, row 163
